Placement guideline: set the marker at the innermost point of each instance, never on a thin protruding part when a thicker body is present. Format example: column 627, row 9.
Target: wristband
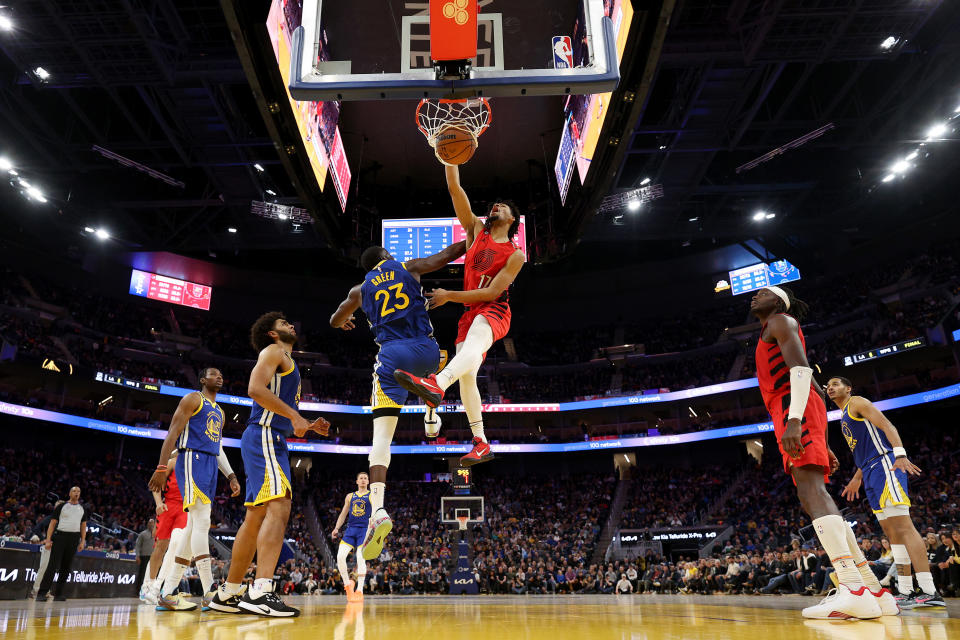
column 232, row 476
column 899, row 452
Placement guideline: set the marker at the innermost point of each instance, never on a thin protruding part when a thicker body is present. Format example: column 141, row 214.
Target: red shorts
column 173, row 518
column 812, row 435
column 497, row 314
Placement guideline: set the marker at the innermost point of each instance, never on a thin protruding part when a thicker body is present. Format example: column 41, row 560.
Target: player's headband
column 780, row 293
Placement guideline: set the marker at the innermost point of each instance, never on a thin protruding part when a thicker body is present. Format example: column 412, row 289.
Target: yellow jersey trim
column 201, row 405
column 292, row 367
column 849, row 415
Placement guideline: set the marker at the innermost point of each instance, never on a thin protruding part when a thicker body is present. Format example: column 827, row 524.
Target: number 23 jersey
column 392, row 299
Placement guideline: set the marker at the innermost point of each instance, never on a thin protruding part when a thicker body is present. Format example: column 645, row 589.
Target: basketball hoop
column 473, row 115
column 463, row 522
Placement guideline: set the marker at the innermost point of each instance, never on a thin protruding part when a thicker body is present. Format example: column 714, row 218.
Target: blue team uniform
column 872, row 453
column 392, row 299
column 199, row 445
column 357, row 521
column 263, row 446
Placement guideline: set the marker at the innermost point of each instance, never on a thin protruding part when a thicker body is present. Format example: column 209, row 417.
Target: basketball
column 455, row 145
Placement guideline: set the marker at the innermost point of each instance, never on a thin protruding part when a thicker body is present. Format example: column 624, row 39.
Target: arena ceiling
column 707, row 88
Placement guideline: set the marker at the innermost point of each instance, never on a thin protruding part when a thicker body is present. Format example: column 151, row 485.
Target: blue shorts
column 196, row 476
column 354, row 536
column 884, row 485
column 419, row 356
column 266, row 463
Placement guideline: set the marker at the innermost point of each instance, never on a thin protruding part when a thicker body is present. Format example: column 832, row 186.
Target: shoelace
column 831, row 595
column 273, row 598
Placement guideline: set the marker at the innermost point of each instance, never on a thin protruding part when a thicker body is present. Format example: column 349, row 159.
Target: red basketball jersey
column 484, row 260
column 172, row 492
column 772, row 372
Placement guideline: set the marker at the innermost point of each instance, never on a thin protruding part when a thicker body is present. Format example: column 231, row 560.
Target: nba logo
column 562, row 52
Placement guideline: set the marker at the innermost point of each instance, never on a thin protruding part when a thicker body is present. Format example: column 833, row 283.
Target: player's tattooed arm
column 342, row 318
column 419, row 266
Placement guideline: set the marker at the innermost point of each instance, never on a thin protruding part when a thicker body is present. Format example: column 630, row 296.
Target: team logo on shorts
column 484, row 259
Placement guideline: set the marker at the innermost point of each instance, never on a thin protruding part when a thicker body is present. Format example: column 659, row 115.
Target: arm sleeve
column 223, row 463
column 800, row 378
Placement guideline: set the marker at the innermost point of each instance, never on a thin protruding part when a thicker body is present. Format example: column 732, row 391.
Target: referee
column 66, row 535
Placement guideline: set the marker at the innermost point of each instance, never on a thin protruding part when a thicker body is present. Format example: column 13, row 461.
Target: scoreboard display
column 172, row 290
column 412, row 238
column 760, row 275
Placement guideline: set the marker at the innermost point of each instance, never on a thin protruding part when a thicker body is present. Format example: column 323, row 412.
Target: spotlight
column 89, row 229
column 103, row 234
column 936, row 131
column 282, row 216
column 5, row 164
column 645, row 181
column 888, row 177
column 6, row 24
column 633, row 205
column 693, row 219
column 258, row 167
column 913, row 154
column 759, row 215
column 770, row 216
column 888, row 44
column 36, row 194
column 271, row 192
column 662, row 147
column 232, row 230
column 42, row 73
column 901, row 166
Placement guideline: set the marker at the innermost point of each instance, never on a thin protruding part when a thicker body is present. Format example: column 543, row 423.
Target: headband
column 780, row 293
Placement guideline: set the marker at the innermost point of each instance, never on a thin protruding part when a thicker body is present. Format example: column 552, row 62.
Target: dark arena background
column 163, row 188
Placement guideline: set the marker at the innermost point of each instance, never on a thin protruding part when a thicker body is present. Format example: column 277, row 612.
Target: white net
column 433, row 116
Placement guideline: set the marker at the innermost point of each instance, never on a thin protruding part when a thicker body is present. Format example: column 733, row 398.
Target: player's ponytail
column 798, row 308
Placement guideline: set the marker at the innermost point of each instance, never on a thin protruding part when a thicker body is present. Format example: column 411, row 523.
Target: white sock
column 361, row 570
column 261, row 586
column 231, row 588
column 205, row 573
column 925, row 580
column 832, row 532
column 867, row 575
column 342, row 552
column 360, row 578
column 477, row 429
column 377, row 489
column 173, row 579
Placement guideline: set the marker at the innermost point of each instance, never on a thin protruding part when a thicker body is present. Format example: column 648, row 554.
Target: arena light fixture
column 913, row 155
column 889, row 177
column 759, row 215
column 282, row 216
column 6, row 24
column 936, row 131
column 5, row 164
column 232, row 229
column 889, row 43
column 271, row 192
column 633, row 205
column 662, row 147
column 258, row 167
column 770, row 216
column 89, row 229
column 901, row 166
column 42, row 73
column 103, row 234
column 693, row 219
column 36, row 194
column 644, row 182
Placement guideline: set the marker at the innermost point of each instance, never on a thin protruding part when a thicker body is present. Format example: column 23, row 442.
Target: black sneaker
column 268, row 604
column 928, row 600
column 225, row 603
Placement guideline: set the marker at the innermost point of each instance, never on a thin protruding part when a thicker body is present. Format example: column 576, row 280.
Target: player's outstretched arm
column 419, row 266
column 860, row 406
column 461, row 203
column 342, row 318
column 491, row 292
column 188, row 406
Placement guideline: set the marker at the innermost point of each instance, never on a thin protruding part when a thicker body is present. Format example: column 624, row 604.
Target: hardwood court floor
column 476, row 618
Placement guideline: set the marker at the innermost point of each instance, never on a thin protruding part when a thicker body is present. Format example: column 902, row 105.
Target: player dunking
column 195, row 430
column 392, row 299
column 275, row 390
column 799, row 416
column 882, row 468
column 356, row 514
column 492, row 264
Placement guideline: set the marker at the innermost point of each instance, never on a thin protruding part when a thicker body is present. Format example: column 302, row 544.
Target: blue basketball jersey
column 286, row 386
column 359, row 509
column 393, row 302
column 865, row 440
column 204, row 429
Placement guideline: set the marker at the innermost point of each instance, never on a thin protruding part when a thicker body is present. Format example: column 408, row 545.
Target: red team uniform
column 483, row 261
column 174, row 517
column 774, row 378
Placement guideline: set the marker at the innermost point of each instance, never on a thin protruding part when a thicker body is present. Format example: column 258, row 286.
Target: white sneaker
column 842, row 604
column 152, row 596
column 431, row 423
column 380, row 525
column 888, row 604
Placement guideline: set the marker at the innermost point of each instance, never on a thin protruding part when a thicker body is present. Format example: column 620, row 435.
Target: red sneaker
column 425, row 388
column 480, row 453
